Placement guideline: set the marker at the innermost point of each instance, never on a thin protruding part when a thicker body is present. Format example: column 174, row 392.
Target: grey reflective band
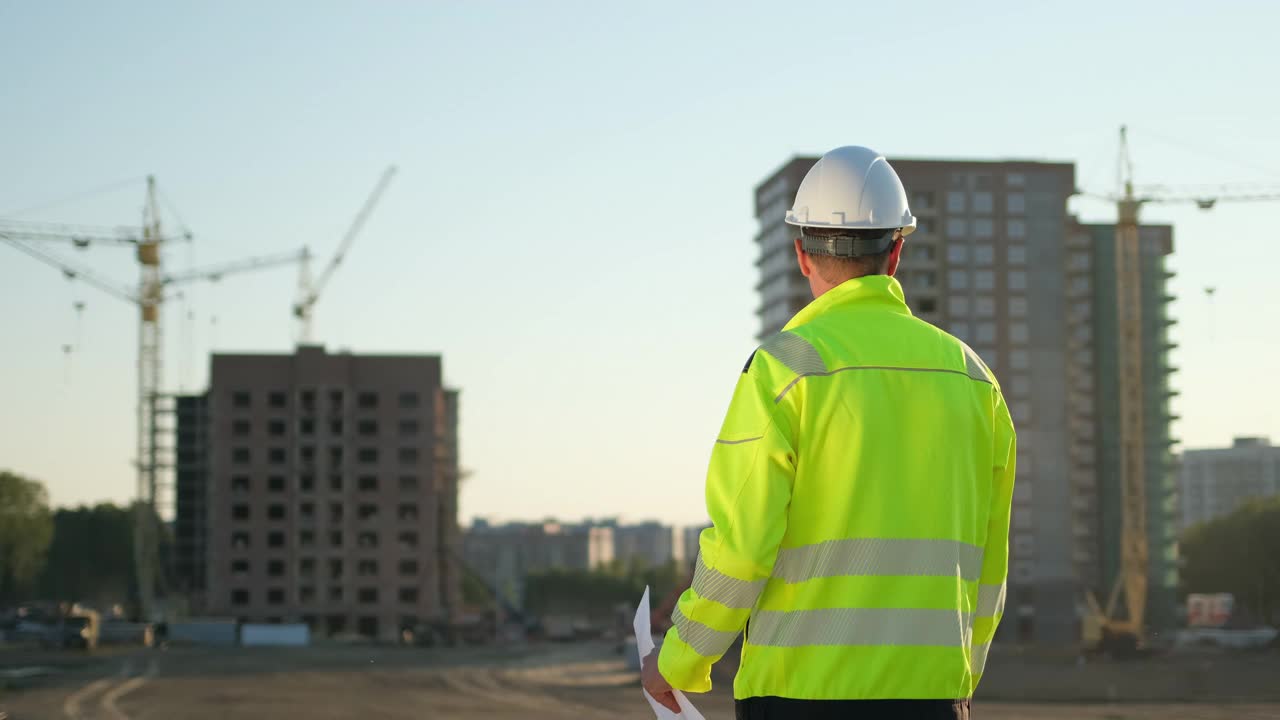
column 796, row 353
column 739, row 442
column 711, row 584
column 860, row 626
column 864, row 243
column 947, row 371
column 974, row 365
column 979, row 655
column 990, row 600
column 704, row 640
column 802, row 358
column 879, row 557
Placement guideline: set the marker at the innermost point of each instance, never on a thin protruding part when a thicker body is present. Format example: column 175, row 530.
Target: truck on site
column 79, row 629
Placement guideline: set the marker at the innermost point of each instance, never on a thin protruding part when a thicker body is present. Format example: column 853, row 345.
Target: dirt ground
column 566, row 681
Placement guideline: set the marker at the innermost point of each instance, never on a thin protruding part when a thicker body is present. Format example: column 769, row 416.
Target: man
column 859, row 490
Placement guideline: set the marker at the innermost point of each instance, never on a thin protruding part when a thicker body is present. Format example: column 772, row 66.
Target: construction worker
column 859, row 490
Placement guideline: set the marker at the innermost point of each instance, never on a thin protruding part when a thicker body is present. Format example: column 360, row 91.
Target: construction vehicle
column 76, row 628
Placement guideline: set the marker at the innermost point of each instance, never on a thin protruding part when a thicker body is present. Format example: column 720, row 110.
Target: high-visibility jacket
column 860, row 492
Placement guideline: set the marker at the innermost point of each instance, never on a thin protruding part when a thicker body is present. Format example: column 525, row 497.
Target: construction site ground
column 579, row 681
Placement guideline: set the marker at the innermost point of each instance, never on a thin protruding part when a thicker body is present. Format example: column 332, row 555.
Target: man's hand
column 656, row 685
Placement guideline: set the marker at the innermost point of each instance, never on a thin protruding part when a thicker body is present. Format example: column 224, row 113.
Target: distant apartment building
column 997, row 261
column 505, row 555
column 1216, row 481
column 648, row 544
column 323, row 489
column 691, row 534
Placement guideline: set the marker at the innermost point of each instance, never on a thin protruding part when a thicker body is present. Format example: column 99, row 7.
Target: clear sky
column 572, row 223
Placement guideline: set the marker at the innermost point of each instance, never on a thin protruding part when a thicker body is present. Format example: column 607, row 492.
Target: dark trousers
column 776, row 708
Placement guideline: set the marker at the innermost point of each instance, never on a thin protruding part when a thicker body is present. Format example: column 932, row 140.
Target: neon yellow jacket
column 859, row 492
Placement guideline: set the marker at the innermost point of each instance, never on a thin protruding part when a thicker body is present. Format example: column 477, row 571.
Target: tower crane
column 149, row 297
column 81, row 236
column 70, row 270
column 1120, row 622
column 308, row 291
column 214, row 273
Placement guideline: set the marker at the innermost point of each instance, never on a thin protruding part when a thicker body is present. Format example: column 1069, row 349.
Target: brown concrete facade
column 332, row 491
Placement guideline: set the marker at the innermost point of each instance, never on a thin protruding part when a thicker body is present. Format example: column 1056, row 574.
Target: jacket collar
column 878, row 291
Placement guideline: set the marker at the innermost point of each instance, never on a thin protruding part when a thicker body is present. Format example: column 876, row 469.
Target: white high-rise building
column 650, row 544
column 1216, row 481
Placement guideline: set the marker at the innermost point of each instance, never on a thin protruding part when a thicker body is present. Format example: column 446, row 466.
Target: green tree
column 596, row 593
column 1239, row 554
column 25, row 531
column 91, row 558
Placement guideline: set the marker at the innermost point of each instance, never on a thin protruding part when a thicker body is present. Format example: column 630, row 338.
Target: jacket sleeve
column 748, row 491
column 995, row 558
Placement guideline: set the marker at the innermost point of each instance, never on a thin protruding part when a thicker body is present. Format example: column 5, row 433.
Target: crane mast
column 1122, row 620
column 150, row 359
column 152, row 457
column 1132, row 580
column 150, row 453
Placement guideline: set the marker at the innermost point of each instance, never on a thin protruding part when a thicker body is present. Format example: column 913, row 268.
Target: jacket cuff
column 682, row 667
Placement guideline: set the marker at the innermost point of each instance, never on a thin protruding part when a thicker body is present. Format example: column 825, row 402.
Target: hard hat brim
column 907, row 228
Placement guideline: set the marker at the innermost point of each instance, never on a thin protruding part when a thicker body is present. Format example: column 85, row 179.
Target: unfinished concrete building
column 321, row 488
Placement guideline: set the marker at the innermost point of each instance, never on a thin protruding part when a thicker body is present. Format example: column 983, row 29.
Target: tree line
column 1238, row 554
column 85, row 554
column 80, row 554
column 597, row 593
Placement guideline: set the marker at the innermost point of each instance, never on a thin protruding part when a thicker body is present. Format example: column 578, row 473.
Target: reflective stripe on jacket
column 859, row 492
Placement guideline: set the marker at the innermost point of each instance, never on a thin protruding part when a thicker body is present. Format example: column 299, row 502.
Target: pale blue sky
column 572, row 223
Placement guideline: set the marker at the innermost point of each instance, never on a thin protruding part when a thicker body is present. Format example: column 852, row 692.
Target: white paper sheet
column 644, row 644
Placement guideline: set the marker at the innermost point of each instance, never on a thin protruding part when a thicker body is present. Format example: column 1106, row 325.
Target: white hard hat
column 852, row 188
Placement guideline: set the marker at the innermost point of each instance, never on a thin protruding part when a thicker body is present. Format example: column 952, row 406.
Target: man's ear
column 895, row 255
column 806, row 264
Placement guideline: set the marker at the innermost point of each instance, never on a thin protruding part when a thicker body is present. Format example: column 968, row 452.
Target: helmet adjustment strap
column 854, row 244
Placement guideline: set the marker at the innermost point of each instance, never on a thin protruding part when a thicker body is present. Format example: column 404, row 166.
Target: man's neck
column 819, row 286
